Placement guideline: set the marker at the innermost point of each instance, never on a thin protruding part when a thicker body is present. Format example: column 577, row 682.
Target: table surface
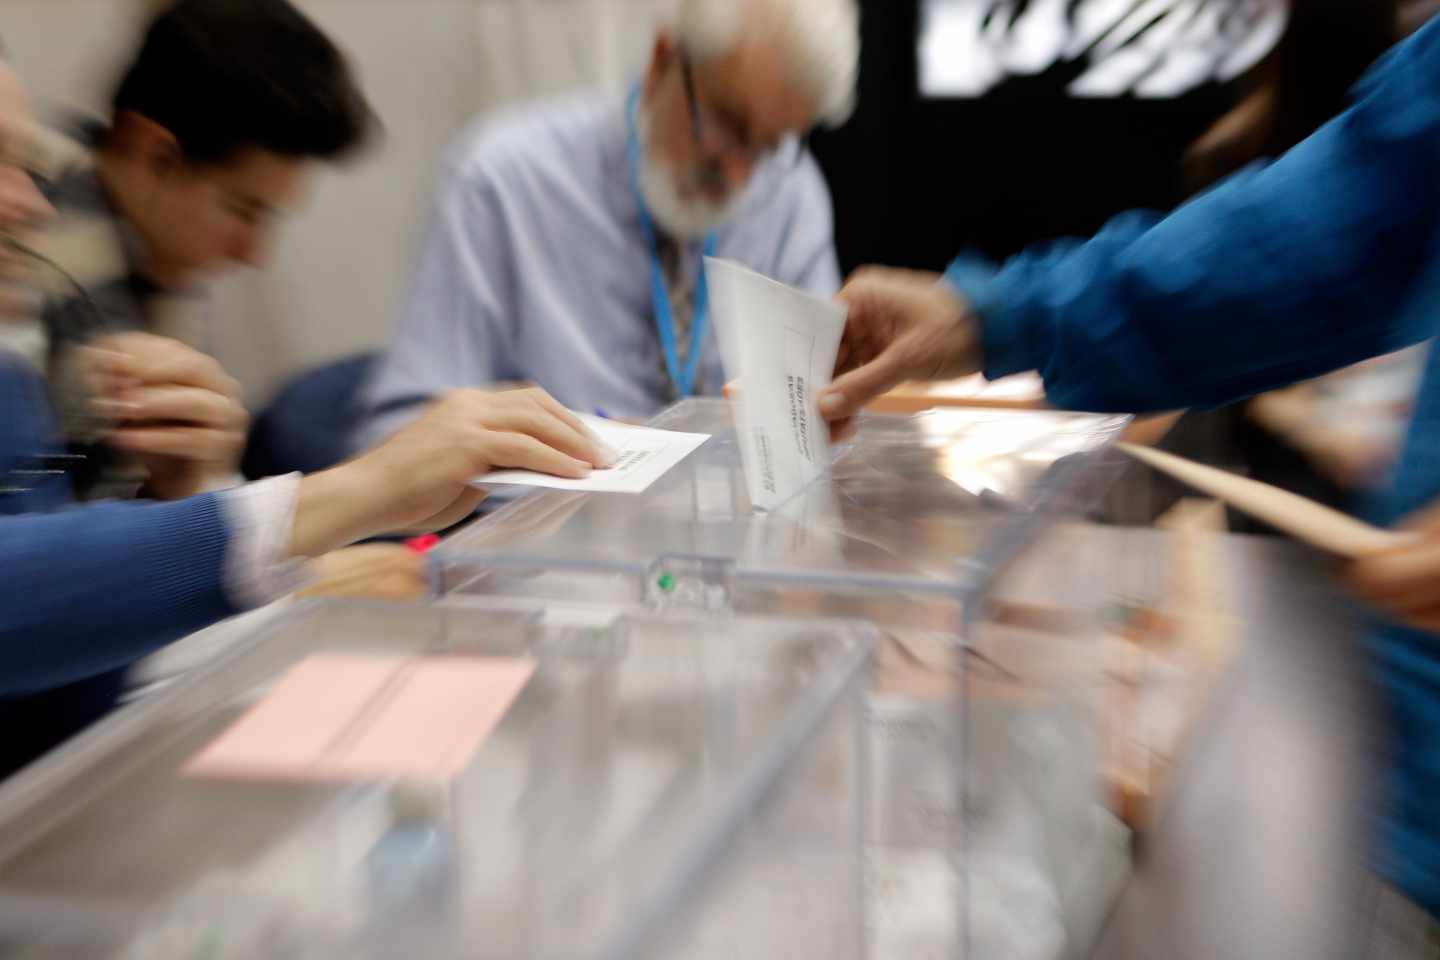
column 1262, row 852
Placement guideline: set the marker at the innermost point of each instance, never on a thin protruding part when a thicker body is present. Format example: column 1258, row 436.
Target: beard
column 679, row 202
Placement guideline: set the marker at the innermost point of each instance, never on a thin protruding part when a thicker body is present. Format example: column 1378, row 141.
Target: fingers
column 551, row 432
column 871, row 275
column 190, row 369
column 572, row 436
column 109, row 363
column 522, row 452
column 104, row 373
column 173, row 404
column 851, row 392
column 182, row 443
column 534, row 413
column 184, row 423
column 147, row 359
column 871, row 287
column 556, row 408
column 868, row 363
column 1392, row 576
column 377, row 571
column 1404, row 583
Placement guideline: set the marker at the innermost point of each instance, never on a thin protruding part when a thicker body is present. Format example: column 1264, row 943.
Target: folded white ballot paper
column 780, row 345
column 646, row 455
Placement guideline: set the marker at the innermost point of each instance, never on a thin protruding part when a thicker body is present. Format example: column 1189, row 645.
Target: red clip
column 423, row 545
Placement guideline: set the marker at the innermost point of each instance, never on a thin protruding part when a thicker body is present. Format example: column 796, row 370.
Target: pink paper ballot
column 344, row 717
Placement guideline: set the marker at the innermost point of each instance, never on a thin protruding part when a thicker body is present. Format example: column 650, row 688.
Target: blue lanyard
column 684, row 380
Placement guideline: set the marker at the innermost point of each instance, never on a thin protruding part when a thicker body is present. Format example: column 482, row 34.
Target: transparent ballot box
column 952, row 531
column 605, row 816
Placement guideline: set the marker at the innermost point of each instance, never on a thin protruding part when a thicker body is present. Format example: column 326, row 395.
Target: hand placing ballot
column 903, row 325
column 422, row 479
column 641, row 455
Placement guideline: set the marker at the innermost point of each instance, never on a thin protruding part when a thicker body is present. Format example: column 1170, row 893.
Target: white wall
column 428, row 66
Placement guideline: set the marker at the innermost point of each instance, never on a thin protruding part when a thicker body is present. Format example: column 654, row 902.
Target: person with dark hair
column 216, row 128
column 228, row 76
column 89, row 589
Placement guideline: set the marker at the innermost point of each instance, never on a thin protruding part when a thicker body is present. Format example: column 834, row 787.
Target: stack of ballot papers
column 779, row 347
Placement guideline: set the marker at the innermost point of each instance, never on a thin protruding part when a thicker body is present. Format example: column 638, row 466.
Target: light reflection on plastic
column 1001, row 454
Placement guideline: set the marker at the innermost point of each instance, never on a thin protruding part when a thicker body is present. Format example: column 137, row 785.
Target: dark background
column 916, row 180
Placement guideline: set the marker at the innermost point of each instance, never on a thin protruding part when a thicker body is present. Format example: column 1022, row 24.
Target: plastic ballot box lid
column 931, row 503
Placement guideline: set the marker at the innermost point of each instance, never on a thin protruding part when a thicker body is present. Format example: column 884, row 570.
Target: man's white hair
column 823, row 34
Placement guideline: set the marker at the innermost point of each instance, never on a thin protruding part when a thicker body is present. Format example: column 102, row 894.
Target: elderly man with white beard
column 567, row 236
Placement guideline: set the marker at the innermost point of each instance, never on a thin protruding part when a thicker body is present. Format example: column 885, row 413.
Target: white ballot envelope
column 646, row 455
column 779, row 345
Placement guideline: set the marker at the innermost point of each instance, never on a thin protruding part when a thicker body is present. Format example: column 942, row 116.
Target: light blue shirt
column 535, row 266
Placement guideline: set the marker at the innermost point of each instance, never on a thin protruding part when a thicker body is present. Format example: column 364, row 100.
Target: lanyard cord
column 684, row 379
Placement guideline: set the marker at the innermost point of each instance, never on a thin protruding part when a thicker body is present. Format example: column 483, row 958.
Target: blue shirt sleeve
column 87, row 590
column 1283, row 272
column 93, row 588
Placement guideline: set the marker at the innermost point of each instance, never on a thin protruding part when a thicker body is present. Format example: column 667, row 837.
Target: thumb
column 850, row 393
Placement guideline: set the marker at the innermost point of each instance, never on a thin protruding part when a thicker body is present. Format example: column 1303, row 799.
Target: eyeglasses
column 725, row 136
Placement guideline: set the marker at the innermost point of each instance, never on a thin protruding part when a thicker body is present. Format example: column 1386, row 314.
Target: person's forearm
column 333, row 509
column 93, row 588
column 1278, row 275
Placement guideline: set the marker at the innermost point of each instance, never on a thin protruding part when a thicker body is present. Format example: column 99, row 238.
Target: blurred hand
column 903, row 325
column 420, row 479
column 175, row 409
column 1404, row 583
column 373, row 571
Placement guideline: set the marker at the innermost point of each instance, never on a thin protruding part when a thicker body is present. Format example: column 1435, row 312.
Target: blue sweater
column 87, row 590
column 1323, row 258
